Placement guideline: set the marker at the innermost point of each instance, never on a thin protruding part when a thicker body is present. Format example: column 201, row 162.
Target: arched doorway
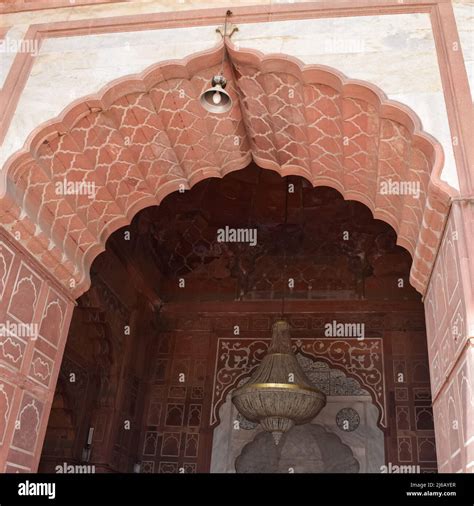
column 141, row 139
column 200, row 311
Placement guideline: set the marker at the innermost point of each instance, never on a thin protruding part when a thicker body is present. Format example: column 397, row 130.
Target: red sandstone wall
column 177, row 431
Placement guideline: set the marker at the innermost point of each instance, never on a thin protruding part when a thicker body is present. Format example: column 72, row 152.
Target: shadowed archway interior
column 182, row 293
column 167, row 324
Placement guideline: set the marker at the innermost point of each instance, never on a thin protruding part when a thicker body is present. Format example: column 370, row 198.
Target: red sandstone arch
column 143, row 136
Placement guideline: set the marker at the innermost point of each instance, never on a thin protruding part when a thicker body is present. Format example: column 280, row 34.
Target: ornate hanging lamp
column 279, row 395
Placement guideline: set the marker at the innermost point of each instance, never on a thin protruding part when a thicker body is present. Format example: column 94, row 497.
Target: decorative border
column 12, row 6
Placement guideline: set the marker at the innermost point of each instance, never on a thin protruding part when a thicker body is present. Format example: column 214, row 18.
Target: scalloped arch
column 144, row 136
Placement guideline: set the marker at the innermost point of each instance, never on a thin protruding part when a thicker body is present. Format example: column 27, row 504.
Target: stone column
column 35, row 314
column 449, row 313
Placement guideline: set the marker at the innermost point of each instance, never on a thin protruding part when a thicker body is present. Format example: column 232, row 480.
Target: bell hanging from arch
column 216, row 99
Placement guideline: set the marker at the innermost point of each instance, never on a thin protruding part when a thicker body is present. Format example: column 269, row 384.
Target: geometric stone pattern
column 35, row 318
column 85, row 397
column 411, row 440
column 330, row 381
column 403, row 335
column 172, row 439
column 450, row 328
column 140, row 138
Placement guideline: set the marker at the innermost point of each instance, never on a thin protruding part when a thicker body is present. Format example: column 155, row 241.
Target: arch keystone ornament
column 81, row 176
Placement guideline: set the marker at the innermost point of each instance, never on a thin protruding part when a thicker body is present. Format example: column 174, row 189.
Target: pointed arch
column 145, row 136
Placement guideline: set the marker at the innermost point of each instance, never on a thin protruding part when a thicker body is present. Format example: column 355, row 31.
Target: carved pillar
column 450, row 328
column 34, row 320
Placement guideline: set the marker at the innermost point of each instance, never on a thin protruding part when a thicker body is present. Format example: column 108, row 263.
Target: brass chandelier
column 270, row 398
column 279, row 395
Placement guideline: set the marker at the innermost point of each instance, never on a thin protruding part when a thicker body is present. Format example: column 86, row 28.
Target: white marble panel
column 366, row 442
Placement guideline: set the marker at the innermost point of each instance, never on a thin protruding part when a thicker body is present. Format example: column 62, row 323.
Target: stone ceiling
column 145, row 136
column 333, row 248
